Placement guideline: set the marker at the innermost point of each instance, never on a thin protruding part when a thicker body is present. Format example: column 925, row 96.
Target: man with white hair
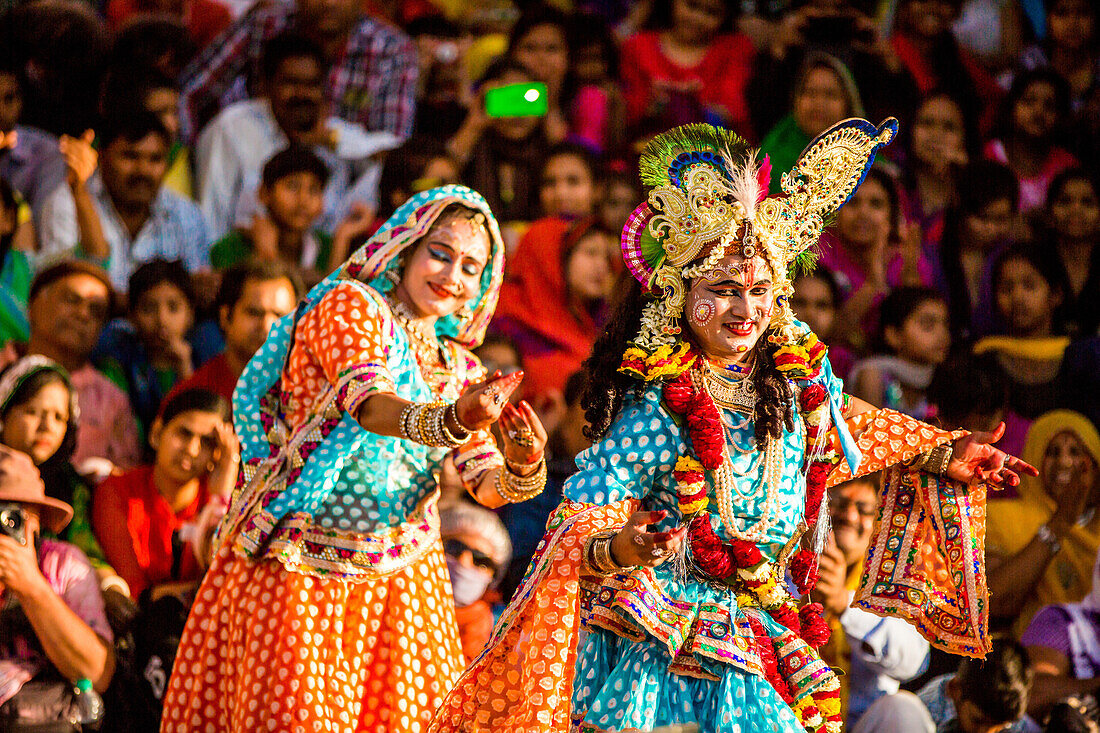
column 478, row 551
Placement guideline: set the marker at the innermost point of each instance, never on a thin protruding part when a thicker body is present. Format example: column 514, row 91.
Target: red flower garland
column 803, row 569
column 815, row 631
column 766, row 651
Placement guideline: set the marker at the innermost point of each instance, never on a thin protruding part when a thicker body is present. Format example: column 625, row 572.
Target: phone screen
column 527, row 99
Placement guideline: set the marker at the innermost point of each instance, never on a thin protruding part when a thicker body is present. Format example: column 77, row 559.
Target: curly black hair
column 607, row 387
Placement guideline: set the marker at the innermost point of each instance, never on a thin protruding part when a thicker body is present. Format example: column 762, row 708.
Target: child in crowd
column 971, row 392
column 1072, row 227
column 40, row 417
column 1036, row 106
column 15, row 271
column 567, row 186
column 478, row 551
column 914, row 338
column 418, row 165
column 152, row 521
column 597, row 111
column 816, row 300
column 618, row 193
column 148, row 353
column 1027, row 293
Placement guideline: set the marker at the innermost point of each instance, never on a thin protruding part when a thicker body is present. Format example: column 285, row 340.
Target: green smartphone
column 527, row 99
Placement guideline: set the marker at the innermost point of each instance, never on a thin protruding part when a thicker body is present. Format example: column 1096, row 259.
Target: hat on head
column 20, row 482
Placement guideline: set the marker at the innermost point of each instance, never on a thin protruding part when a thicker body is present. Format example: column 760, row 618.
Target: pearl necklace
column 422, row 337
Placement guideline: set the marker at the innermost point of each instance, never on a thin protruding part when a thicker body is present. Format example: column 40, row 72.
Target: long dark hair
column 56, row 471
column 607, row 388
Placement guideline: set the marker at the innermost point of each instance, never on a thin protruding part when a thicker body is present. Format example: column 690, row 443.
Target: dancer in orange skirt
column 327, row 606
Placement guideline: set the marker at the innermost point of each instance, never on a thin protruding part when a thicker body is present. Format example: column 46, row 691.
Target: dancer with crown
column 659, row 594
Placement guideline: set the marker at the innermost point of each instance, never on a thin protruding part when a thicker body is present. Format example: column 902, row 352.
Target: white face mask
column 467, row 584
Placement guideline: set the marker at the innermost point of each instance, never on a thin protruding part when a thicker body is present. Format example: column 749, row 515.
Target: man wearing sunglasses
column 478, row 550
column 876, row 654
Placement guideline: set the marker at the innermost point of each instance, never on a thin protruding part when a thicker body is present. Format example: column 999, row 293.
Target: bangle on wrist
column 426, row 423
column 598, row 557
column 514, row 488
column 936, row 460
column 522, row 469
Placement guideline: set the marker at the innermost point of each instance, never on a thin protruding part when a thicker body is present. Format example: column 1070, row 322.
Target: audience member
column 975, row 228
column 1072, row 227
column 70, row 303
column 597, row 112
column 15, row 271
column 29, row 158
column 421, row 163
column 372, row 81
column 526, row 521
column 970, row 392
column 477, row 553
column 1027, row 293
column 443, row 88
column 40, row 417
column 204, row 19
column 914, row 338
column 153, row 43
column 148, row 353
column 568, row 182
column 253, row 295
column 1069, row 48
column 539, row 42
column 983, row 696
column 823, row 94
column 149, row 520
column 875, row 654
column 54, row 629
column 1036, row 107
column 1063, row 642
column 554, row 300
column 816, row 301
column 118, row 212
column 502, row 156
column 289, row 109
column 939, row 144
column 688, row 65
column 617, row 193
column 1041, row 545
column 871, row 250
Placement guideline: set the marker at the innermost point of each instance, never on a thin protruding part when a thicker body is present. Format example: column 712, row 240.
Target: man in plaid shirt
column 373, row 75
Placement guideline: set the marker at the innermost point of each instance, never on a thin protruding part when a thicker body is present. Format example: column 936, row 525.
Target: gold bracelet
column 463, row 434
column 425, row 423
column 936, row 460
column 514, row 489
column 598, row 557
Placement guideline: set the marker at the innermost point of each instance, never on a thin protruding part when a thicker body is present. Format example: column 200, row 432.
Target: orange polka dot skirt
column 266, row 649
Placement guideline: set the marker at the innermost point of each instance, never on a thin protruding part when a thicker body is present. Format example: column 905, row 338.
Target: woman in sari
column 327, row 605
column 658, row 596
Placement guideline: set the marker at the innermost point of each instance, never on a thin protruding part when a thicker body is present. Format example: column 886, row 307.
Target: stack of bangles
column 515, row 487
column 426, row 423
column 935, row 461
column 598, row 557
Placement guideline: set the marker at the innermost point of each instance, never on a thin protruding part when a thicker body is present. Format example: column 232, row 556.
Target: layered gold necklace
column 422, row 337
column 738, row 395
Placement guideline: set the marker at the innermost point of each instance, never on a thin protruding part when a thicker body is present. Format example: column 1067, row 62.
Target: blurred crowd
column 174, row 174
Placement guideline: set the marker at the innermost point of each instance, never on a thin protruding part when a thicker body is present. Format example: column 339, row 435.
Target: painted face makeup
column 445, row 270
column 729, row 307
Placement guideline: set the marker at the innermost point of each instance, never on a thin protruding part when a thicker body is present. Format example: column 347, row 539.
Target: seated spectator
column 568, row 182
column 15, row 271
column 149, row 90
column 204, row 19
column 29, row 158
column 923, row 41
column 554, row 300
column 975, row 228
column 1063, row 643
column 288, row 110
column 539, row 42
column 913, row 340
column 421, row 163
column 1036, row 107
column 526, row 521
column 1069, row 47
column 823, row 94
column 69, row 305
column 816, row 302
column 253, row 295
column 596, row 114
column 149, row 353
column 477, row 551
column 983, row 696
column 617, row 194
column 40, row 417
column 502, row 156
column 54, row 629
column 119, row 213
column 443, row 80
column 870, row 250
column 373, row 79
column 151, row 520
column 971, row 392
column 1041, row 546
column 688, row 65
column 940, row 143
column 1027, row 293
column 1072, row 226
column 876, row 654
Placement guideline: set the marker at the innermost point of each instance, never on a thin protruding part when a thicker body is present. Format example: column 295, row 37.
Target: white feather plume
column 744, row 185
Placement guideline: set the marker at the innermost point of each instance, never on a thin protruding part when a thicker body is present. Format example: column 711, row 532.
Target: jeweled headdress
column 709, row 198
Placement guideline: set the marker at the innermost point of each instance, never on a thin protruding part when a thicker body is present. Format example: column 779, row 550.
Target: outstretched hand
column 634, row 545
column 975, row 460
column 481, row 404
